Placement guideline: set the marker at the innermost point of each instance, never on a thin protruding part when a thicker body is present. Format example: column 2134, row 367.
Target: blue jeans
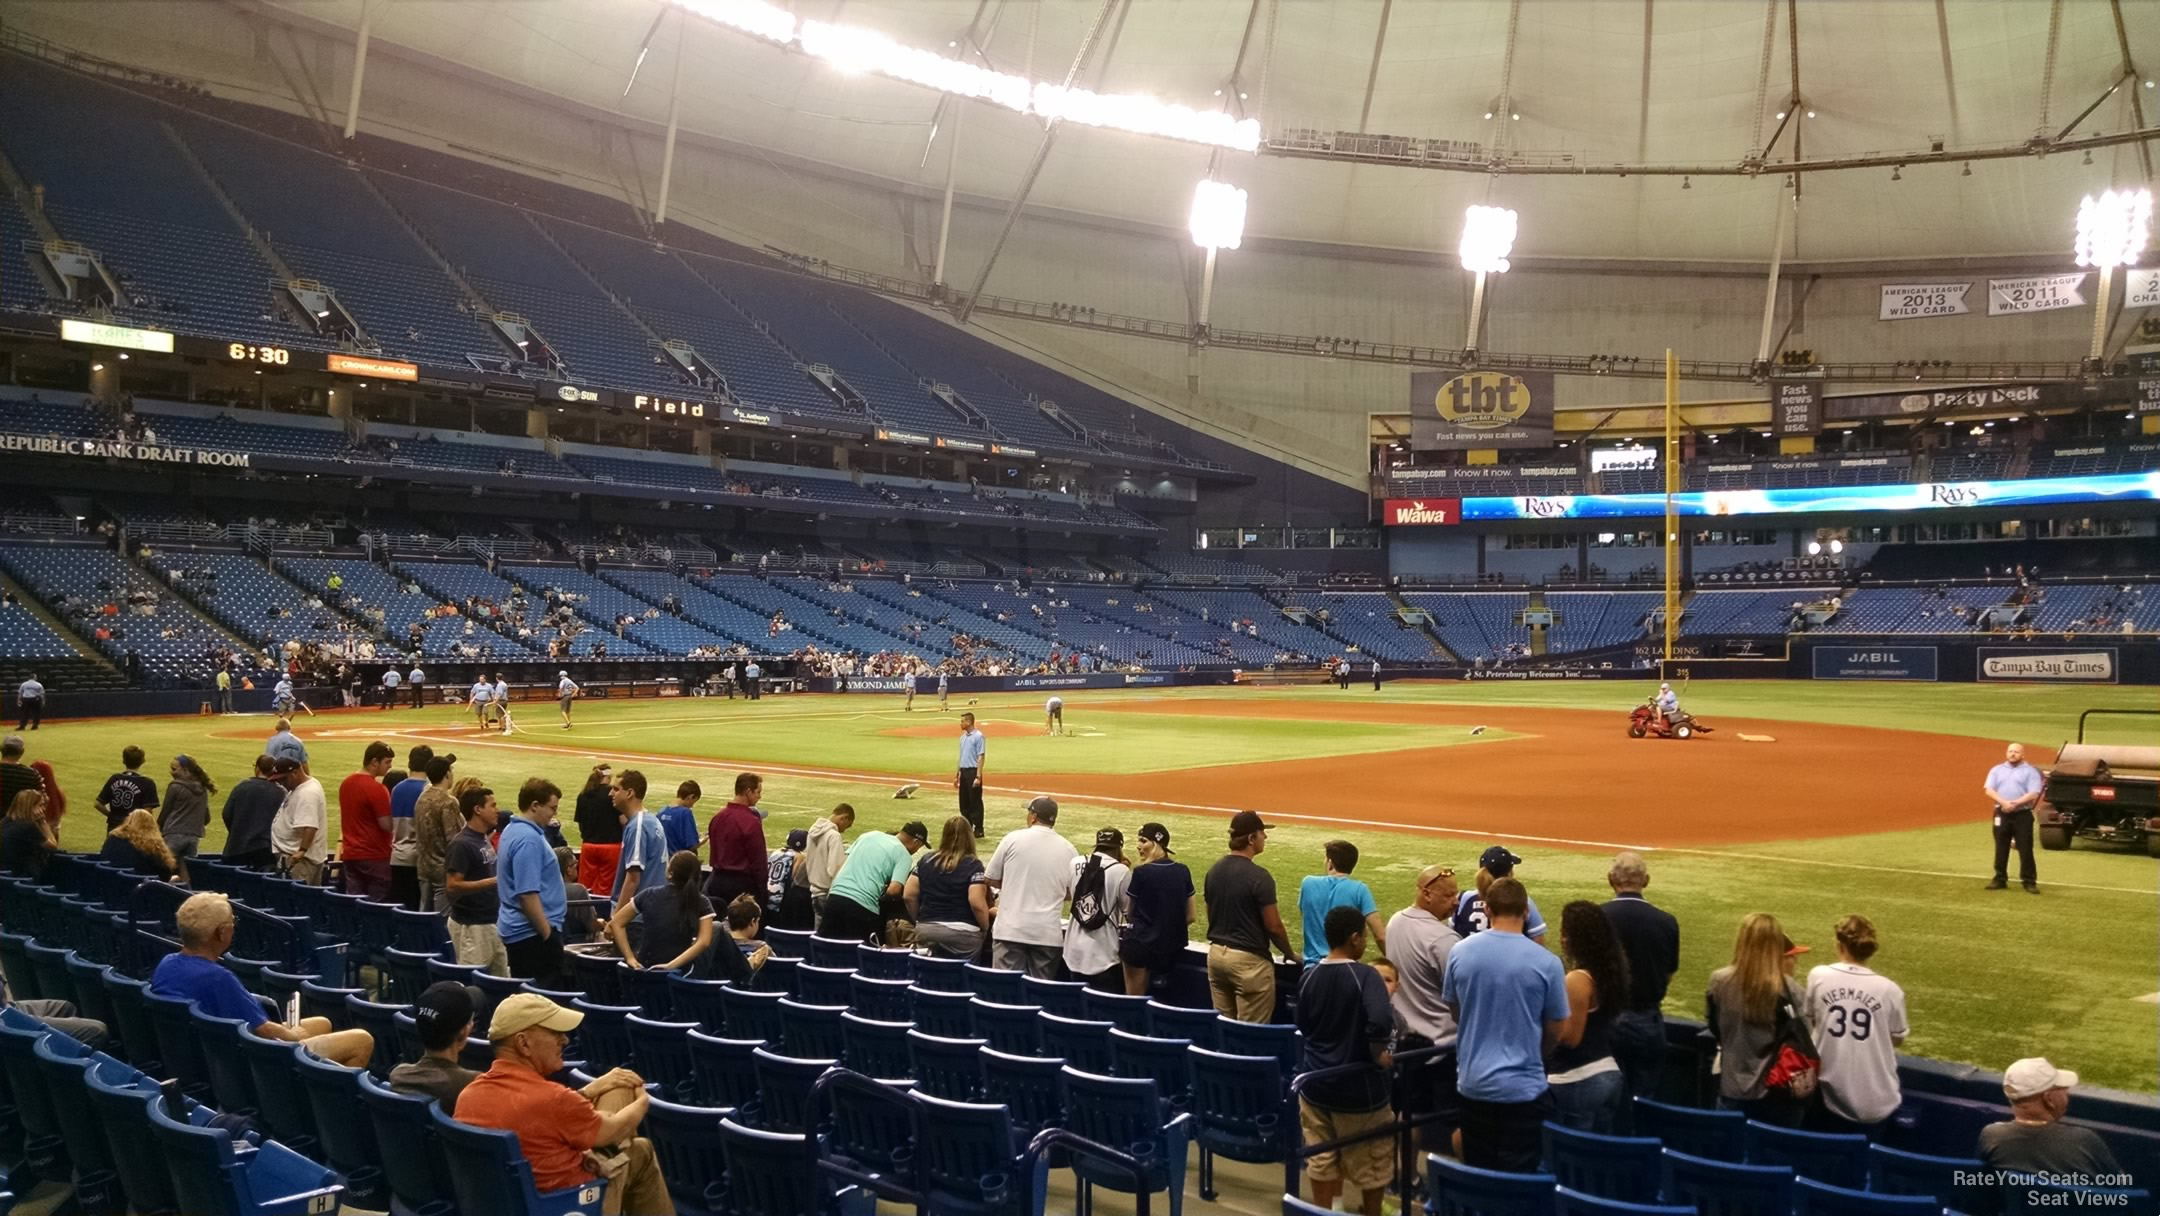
column 1591, row 1104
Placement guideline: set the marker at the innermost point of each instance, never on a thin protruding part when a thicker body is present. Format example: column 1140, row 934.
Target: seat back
column 785, row 1085
column 602, row 1040
column 660, row 1051
column 724, row 1071
column 493, row 988
column 1033, row 1088
column 380, row 1021
column 964, row 1152
column 1629, row 1168
column 867, row 1122
column 770, row 1173
column 1720, row 1135
column 1840, row 1160
column 230, row 1082
column 1812, row 1198
column 346, row 1142
column 1277, row 1039
column 1009, row 1028
column 816, row 984
column 648, row 989
column 440, row 969
column 413, row 1160
column 1128, row 1013
column 92, row 998
column 885, row 999
column 1455, row 1189
column 777, row 975
column 1084, row 1045
column 406, row 972
column 948, row 1068
column 328, row 1001
column 15, row 964
column 752, row 1015
column 788, row 943
column 1570, row 1202
column 409, row 1046
column 489, row 1173
column 940, row 974
column 813, row 1031
column 1723, row 1188
column 121, row 1099
column 174, row 1021
column 419, row 932
column 19, row 1035
column 686, row 1144
column 1184, row 1022
column 1064, row 998
column 1897, row 1172
column 695, row 1000
column 876, row 1049
column 61, row 1064
column 597, row 975
column 949, row 1015
column 993, row 984
column 885, row 963
column 1165, row 1061
column 1126, row 1112
column 1240, row 1107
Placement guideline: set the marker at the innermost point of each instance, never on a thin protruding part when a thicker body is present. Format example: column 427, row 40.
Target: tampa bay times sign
column 1454, row 411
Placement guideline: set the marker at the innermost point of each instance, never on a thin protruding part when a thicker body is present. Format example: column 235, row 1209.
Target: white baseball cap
column 2031, row 1078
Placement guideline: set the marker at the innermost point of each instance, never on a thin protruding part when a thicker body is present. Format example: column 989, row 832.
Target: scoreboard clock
column 258, row 355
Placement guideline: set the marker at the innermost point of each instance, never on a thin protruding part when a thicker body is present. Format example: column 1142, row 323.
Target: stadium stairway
column 1440, row 648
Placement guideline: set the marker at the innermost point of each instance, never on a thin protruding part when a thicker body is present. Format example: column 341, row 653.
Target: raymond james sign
column 2095, row 666
column 39, row 445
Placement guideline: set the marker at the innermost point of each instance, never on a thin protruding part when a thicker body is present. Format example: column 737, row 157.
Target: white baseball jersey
column 1857, row 1017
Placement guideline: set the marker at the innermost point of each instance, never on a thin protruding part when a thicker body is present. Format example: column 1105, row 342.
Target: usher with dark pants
column 971, row 802
column 2014, row 787
column 2014, row 828
column 973, row 749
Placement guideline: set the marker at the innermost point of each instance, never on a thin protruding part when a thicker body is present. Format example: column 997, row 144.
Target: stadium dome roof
column 1652, row 87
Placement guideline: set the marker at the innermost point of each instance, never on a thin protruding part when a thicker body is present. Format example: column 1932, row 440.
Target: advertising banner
column 1875, row 663
column 1904, row 301
column 1404, row 511
column 1550, row 673
column 97, row 333
column 1796, row 406
column 2148, row 396
column 373, row 368
column 47, row 445
column 1495, row 408
column 2095, row 665
column 2035, row 293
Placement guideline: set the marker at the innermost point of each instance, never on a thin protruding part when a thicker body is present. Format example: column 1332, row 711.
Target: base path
column 1577, row 776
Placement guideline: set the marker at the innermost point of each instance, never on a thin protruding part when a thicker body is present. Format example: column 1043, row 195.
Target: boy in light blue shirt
column 1321, row 893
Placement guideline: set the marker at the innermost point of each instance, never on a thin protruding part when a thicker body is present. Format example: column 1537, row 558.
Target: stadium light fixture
column 853, row 48
column 1218, row 223
column 2111, row 232
column 1488, row 236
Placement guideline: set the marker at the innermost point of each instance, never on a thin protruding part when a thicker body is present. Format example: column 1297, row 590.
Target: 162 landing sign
column 1481, row 409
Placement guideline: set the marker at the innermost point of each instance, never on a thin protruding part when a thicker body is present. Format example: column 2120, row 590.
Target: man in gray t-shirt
column 2036, row 1140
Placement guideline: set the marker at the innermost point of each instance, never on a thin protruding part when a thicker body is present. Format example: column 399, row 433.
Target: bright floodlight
column 1218, row 215
column 2111, row 229
column 1488, row 233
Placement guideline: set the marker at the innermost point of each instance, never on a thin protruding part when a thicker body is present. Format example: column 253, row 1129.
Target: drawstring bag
column 1793, row 1065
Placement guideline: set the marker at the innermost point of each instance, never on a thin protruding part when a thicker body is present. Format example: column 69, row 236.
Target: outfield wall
column 2097, row 660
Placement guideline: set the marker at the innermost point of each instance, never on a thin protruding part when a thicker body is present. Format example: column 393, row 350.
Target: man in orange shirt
column 569, row 1136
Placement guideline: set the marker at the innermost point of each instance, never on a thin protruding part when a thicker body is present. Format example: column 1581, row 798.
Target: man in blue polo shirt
column 194, row 975
column 1509, row 996
column 2014, row 787
column 531, row 900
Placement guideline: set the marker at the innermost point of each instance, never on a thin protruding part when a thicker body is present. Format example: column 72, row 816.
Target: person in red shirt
column 364, row 824
column 739, row 856
column 569, row 1136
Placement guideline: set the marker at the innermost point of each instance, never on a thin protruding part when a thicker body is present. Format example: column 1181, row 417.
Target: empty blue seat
column 785, row 1085
column 22, row 982
column 493, row 988
column 327, row 1001
column 420, row 932
column 1720, row 1135
column 1009, row 1028
column 413, row 1161
column 1724, row 1188
column 686, row 1144
column 949, row 1068
column 602, row 1040
column 597, row 976
column 62, row 1066
column 1126, row 1113
column 788, row 943
column 968, row 1162
column 121, row 1099
column 1061, row 997
column 948, row 1015
column 1812, row 1198
column 380, row 1021
column 752, row 1015
column 346, row 1139
column 876, row 1048
column 695, row 1000
column 1839, row 1160
column 885, row 999
column 1570, row 1202
column 1032, row 1087
column 940, row 974
column 1241, row 1110
column 132, row 1021
column 832, row 953
column 775, row 1174
column 1897, row 1172
column 1083, row 1045
column 1629, row 1168
column 1455, row 1189
column 990, row 983
column 660, row 1051
column 885, row 963
column 1278, row 1039
column 440, row 969
column 489, row 1173
column 724, row 1071
column 44, row 1139
column 868, row 1125
column 1166, row 1061
column 212, row 1178
column 1127, row 1013
column 812, row 1031
column 648, row 989
column 280, row 1100
column 407, row 974
column 816, row 984
column 1202, row 1026
column 776, row 975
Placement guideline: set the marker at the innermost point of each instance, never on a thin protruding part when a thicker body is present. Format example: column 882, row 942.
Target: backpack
column 1089, row 910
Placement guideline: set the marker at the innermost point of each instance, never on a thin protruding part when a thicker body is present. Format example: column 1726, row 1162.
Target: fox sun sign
column 1490, row 408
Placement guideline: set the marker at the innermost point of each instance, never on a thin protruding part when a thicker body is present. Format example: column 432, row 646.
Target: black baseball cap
column 1245, row 823
column 1110, row 838
column 443, row 1010
column 1156, row 834
column 1498, row 862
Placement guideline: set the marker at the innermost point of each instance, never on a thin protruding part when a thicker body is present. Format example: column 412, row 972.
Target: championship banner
column 1482, row 409
column 1405, row 511
column 1904, row 301
column 2035, row 293
column 2141, row 288
column 1796, row 406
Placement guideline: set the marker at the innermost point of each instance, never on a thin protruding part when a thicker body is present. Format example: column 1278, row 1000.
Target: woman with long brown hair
column 1747, row 1001
column 1586, row 1085
column 948, row 895
column 137, row 846
column 184, row 816
column 599, row 832
column 26, row 836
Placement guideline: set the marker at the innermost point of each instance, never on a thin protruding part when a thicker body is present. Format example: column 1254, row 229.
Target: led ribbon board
column 2032, row 491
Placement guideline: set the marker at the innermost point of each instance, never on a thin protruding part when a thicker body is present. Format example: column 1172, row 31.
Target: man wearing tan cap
column 569, row 1136
column 2036, row 1141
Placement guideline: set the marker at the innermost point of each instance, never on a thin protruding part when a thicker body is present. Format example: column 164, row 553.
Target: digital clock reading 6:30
column 242, row 352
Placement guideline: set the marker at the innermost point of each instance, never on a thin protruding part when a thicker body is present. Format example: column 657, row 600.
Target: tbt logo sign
column 1489, row 408
column 1483, row 401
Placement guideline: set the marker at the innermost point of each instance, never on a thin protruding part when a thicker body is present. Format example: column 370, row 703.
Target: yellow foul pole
column 1672, row 487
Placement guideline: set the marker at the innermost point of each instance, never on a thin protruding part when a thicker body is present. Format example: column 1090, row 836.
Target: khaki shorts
column 1367, row 1165
column 480, row 946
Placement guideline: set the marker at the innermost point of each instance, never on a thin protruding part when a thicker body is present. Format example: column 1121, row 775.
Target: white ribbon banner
column 2038, row 293
column 1904, row 301
column 2141, row 288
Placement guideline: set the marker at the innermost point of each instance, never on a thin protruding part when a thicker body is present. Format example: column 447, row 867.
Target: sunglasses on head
column 1444, row 873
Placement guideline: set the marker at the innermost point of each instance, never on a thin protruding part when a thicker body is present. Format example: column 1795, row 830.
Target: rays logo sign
column 1489, row 408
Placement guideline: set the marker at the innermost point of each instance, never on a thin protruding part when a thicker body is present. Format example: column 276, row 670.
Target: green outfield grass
column 1990, row 976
